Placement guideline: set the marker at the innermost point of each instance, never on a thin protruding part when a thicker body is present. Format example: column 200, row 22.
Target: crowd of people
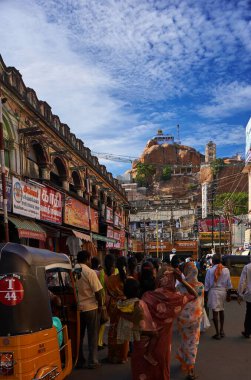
column 143, row 298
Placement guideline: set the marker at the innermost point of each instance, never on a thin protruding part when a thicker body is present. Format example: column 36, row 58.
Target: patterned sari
column 117, row 353
column 164, row 305
column 189, row 320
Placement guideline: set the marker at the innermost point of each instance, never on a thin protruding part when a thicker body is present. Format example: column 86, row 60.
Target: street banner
column 109, row 215
column 26, row 198
column 94, row 221
column 9, row 194
column 76, row 213
column 51, row 205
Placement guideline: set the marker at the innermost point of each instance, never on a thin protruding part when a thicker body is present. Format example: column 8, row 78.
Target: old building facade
column 59, row 196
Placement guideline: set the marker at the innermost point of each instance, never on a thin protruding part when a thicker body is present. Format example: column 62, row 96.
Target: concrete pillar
column 46, row 173
column 65, row 185
column 249, row 195
column 80, row 192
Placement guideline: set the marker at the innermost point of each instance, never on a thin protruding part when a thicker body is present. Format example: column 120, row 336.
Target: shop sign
column 122, row 239
column 76, row 213
column 116, row 235
column 109, row 235
column 8, row 191
column 186, row 244
column 94, row 220
column 109, row 215
column 216, row 235
column 26, row 199
column 51, row 205
column 116, row 220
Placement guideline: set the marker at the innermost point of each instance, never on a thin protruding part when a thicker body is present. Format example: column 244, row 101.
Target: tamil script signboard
column 51, row 205
column 26, row 198
column 76, row 213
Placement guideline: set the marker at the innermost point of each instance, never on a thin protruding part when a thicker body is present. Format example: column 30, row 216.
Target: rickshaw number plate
column 11, row 291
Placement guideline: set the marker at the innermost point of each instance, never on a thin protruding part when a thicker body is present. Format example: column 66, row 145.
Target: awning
column 28, row 229
column 103, row 238
column 81, row 235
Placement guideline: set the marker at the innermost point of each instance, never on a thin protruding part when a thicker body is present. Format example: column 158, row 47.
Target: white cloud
column 227, row 99
column 108, row 69
column 224, row 135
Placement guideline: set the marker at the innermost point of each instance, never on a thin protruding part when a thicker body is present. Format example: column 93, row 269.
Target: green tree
column 144, row 174
column 216, row 165
column 166, row 173
column 238, row 200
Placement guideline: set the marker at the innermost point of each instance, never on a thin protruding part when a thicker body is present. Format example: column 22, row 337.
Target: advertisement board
column 76, row 213
column 26, row 198
column 51, row 205
column 248, row 142
column 109, row 234
column 94, row 220
column 109, row 215
column 116, row 220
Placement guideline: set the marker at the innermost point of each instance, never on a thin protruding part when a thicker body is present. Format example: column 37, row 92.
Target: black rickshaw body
column 29, row 342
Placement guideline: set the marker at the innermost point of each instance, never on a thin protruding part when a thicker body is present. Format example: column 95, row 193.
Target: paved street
column 225, row 360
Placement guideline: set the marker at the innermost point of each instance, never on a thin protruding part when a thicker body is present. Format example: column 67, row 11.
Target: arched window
column 76, row 182
column 8, row 142
column 58, row 172
column 36, row 160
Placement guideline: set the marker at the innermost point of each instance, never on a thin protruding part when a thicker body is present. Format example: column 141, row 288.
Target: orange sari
column 117, row 353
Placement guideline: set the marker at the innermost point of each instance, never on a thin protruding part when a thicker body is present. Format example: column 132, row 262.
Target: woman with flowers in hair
column 189, row 320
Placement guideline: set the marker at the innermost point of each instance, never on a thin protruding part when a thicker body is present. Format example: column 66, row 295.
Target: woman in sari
column 164, row 304
column 117, row 353
column 189, row 321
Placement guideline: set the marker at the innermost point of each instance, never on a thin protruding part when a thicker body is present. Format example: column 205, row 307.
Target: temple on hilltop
column 161, row 139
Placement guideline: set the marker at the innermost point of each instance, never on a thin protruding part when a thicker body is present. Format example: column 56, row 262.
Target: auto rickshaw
column 29, row 344
column 235, row 264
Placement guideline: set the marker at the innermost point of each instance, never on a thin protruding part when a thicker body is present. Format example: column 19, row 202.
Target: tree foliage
column 144, row 174
column 239, row 202
column 166, row 173
column 216, row 165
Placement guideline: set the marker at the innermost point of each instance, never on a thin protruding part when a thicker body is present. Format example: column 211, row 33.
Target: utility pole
column 3, row 173
column 212, row 211
column 157, row 233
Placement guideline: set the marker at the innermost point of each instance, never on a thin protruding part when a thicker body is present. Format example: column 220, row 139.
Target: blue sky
column 117, row 70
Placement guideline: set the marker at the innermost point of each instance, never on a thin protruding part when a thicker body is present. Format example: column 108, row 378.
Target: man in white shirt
column 217, row 284
column 244, row 292
column 89, row 303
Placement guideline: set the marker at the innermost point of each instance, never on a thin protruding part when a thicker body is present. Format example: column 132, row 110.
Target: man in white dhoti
column 217, row 284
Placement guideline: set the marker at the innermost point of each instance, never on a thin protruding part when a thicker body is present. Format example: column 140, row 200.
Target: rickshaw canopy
column 33, row 256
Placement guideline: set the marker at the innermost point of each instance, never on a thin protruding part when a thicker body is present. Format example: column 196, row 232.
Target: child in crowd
column 135, row 320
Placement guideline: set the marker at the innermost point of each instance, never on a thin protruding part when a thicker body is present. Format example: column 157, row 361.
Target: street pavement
column 226, row 359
